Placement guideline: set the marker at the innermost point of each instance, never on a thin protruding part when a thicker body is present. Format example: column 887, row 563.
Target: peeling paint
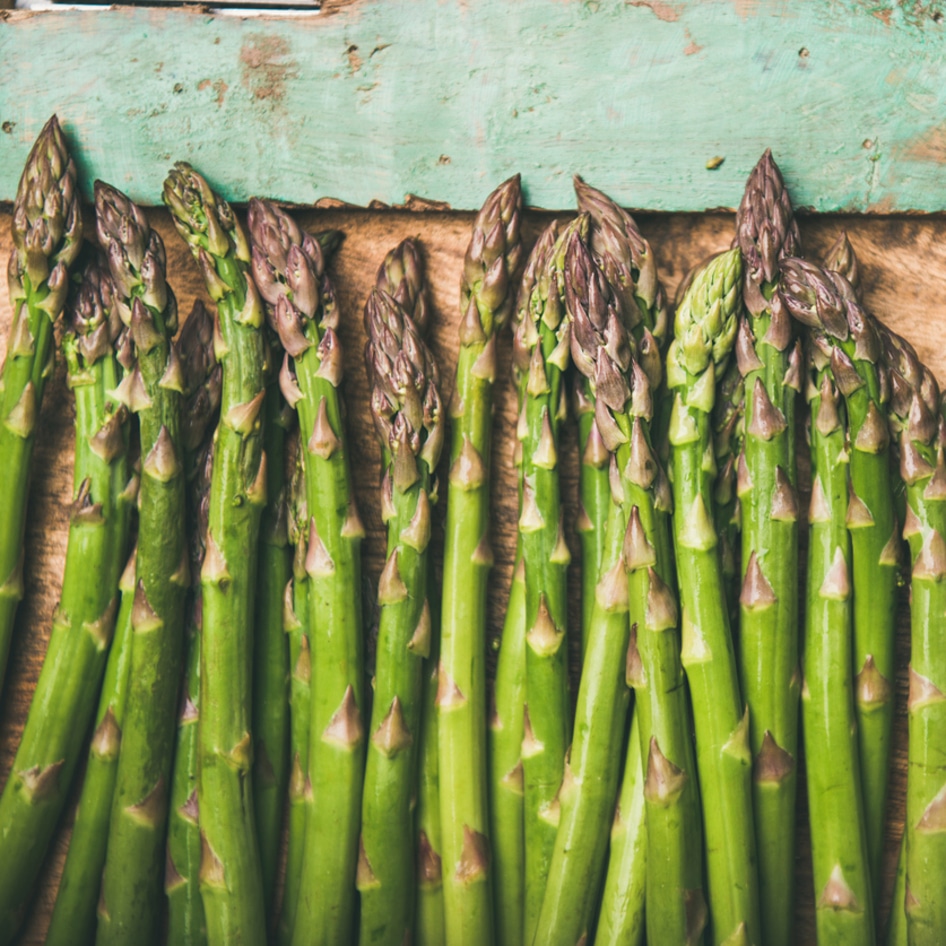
column 660, row 8
column 929, row 146
column 746, row 8
column 692, row 47
column 266, row 66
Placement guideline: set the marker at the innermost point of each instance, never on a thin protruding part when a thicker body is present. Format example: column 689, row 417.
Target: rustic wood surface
column 904, row 274
column 664, row 103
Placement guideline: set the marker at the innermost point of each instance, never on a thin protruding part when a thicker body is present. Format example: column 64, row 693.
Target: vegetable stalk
column 129, row 905
column 230, row 872
column 289, row 268
column 47, row 237
column 769, row 363
column 704, row 337
column 486, row 302
column 65, row 697
column 405, row 404
column 841, row 867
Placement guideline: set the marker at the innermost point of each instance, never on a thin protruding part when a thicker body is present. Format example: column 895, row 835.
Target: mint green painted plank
column 377, row 99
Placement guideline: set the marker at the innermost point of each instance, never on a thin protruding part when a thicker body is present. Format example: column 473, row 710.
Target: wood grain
column 904, row 272
column 664, row 103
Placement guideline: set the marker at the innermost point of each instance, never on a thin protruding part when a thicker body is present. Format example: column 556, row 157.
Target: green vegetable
column 486, row 300
column 129, row 906
column 405, row 404
column 65, row 697
column 230, row 873
column 705, row 333
column 289, row 268
column 769, row 363
column 47, row 237
column 844, row 910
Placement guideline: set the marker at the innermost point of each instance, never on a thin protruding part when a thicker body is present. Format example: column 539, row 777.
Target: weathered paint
column 374, row 100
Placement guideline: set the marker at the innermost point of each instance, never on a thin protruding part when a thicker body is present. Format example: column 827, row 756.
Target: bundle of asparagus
column 404, row 822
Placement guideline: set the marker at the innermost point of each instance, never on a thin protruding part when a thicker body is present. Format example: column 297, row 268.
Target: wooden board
column 904, row 267
column 666, row 104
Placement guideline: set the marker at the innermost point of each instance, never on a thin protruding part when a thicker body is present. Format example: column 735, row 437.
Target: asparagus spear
column 295, row 619
column 506, row 801
column 486, row 300
column 64, row 700
column 230, row 873
column 916, row 415
column 599, row 340
column 289, row 268
column 47, row 236
column 270, row 646
column 74, row 912
column 843, row 895
column 405, row 404
column 129, row 905
column 428, row 903
column 186, row 921
column 505, row 769
column 202, row 378
column 705, row 333
column 630, row 267
column 769, row 363
column 622, row 915
column 541, row 355
column 849, row 335
column 395, row 278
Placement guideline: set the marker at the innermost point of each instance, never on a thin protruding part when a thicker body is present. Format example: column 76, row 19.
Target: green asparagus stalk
column 916, row 414
column 230, row 872
column 705, row 333
column 186, row 922
column 202, row 378
column 405, row 404
column 850, row 335
column 289, row 268
column 676, row 909
column 505, row 768
column 541, row 355
column 271, row 651
column 506, row 791
column 428, row 901
column 585, row 804
column 295, row 617
column 129, row 906
column 622, row 915
column 486, row 300
column 769, row 362
column 844, row 910
column 47, row 236
column 630, row 267
column 429, row 921
column 73, row 918
column 64, row 701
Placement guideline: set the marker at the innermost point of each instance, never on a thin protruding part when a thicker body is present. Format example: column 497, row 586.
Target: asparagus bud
column 766, row 232
column 492, row 258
